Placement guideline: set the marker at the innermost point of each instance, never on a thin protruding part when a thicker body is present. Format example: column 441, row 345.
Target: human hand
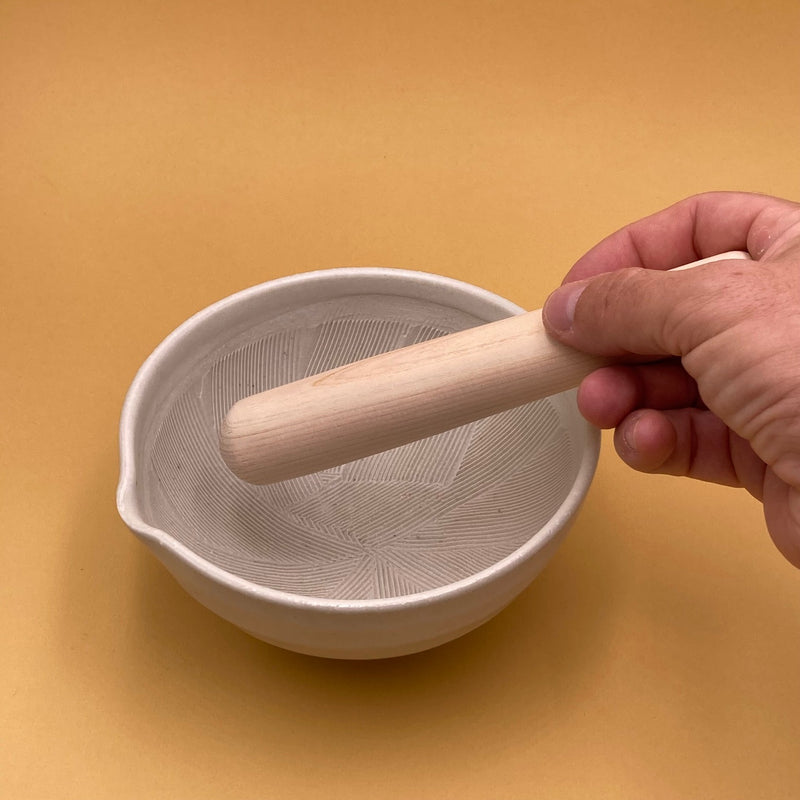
column 711, row 387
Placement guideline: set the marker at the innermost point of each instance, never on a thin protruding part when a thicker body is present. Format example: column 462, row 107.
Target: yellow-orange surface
column 156, row 156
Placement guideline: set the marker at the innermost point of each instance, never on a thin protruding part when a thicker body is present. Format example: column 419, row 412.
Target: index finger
column 695, row 228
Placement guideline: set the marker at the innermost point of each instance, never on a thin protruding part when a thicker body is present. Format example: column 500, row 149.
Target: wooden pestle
column 399, row 397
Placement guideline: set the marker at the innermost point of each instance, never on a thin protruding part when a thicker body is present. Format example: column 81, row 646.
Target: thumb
column 647, row 312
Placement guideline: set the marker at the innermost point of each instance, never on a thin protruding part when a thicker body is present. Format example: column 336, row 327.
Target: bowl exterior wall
column 363, row 633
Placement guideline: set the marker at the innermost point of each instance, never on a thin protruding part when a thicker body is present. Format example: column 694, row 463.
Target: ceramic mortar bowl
column 386, row 556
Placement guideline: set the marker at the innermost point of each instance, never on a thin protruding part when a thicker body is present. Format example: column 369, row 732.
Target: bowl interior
column 412, row 519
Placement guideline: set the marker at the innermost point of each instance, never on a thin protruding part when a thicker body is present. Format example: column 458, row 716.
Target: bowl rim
column 129, row 507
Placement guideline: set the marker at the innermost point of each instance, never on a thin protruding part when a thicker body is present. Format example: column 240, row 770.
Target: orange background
column 156, row 156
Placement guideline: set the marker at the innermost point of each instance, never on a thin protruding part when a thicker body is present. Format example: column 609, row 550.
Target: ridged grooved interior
column 397, row 523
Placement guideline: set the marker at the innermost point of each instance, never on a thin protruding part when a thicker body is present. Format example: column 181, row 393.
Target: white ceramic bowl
column 390, row 555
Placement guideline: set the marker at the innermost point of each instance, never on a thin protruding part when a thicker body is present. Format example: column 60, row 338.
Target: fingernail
column 559, row 309
column 629, row 432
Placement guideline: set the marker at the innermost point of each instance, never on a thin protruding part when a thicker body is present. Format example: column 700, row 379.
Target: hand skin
column 710, row 385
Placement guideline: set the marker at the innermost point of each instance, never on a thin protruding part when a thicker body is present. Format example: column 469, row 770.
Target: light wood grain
column 395, row 398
